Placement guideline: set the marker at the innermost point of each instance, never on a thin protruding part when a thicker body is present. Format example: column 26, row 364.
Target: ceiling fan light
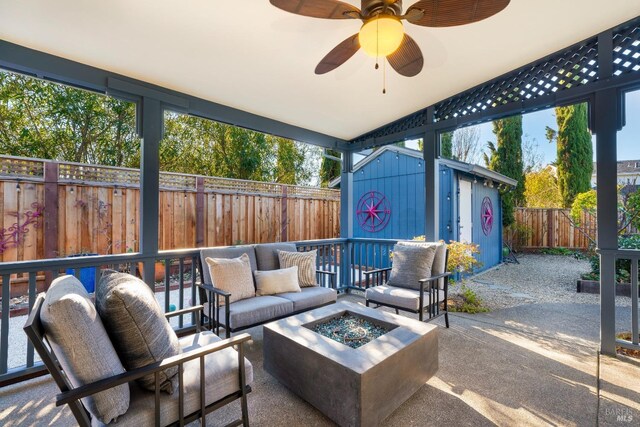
column 381, row 36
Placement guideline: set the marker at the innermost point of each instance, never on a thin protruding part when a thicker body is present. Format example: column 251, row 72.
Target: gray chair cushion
column 267, row 254
column 226, row 252
column 310, row 297
column 255, row 310
column 440, row 259
column 410, row 265
column 82, row 346
column 221, row 379
column 400, row 297
column 137, row 326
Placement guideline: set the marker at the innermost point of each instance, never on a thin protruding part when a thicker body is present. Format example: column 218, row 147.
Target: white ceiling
column 249, row 55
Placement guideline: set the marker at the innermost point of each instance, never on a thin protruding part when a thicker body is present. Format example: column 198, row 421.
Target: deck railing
column 633, row 257
column 348, row 258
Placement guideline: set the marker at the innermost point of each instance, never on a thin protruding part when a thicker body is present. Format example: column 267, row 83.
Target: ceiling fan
column 382, row 33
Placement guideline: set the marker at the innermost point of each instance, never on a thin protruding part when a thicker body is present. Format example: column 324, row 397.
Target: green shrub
column 470, row 302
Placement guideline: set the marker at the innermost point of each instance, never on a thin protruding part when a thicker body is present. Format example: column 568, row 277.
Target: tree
column 52, row 121
column 575, row 151
column 329, row 168
column 506, row 158
column 541, row 189
column 446, row 145
column 465, row 145
column 531, row 156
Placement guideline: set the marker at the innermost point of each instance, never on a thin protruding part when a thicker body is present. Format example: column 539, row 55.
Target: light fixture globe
column 381, row 36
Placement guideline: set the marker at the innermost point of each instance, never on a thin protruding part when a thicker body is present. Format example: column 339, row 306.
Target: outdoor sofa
column 256, row 310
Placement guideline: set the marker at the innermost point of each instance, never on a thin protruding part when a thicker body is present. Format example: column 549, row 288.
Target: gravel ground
column 537, row 279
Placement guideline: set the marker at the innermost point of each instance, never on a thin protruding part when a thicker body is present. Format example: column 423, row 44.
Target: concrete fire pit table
column 353, row 387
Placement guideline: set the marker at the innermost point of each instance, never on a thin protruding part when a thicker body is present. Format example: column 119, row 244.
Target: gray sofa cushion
column 401, row 297
column 440, row 259
column 221, row 379
column 255, row 310
column 226, row 252
column 410, row 265
column 82, row 346
column 267, row 254
column 310, row 297
column 137, row 326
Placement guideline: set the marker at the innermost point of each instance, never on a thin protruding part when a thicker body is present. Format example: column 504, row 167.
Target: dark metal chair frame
column 71, row 396
column 428, row 286
column 211, row 318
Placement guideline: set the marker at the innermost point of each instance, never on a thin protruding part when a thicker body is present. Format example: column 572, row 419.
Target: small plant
column 467, row 301
column 557, row 251
column 461, row 256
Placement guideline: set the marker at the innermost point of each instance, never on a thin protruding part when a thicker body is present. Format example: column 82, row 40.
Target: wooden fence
column 51, row 209
column 551, row 228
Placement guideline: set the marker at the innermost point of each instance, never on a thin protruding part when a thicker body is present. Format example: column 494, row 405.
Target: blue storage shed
column 389, row 200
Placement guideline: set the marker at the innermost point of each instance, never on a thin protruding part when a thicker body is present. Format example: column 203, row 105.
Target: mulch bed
column 626, row 351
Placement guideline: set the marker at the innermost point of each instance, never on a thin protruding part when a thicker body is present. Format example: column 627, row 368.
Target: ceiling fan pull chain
column 384, row 77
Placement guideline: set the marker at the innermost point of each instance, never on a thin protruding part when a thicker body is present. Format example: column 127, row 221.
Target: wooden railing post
column 200, row 213
column 50, row 215
column 284, row 219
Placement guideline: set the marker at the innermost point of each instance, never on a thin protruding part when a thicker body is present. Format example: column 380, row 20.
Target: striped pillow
column 306, row 263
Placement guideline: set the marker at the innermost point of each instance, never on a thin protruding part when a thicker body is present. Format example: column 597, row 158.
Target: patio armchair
column 424, row 294
column 211, row 374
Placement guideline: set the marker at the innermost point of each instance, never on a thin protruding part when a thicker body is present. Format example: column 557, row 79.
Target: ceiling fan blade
column 407, row 60
column 448, row 13
column 338, row 55
column 328, row 9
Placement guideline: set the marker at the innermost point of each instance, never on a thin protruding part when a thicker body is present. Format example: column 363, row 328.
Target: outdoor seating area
column 319, row 212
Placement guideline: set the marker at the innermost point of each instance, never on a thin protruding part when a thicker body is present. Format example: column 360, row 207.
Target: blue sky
column 534, row 125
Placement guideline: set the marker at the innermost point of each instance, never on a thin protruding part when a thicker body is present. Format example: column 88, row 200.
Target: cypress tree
column 329, row 169
column 446, row 145
column 506, row 158
column 575, row 152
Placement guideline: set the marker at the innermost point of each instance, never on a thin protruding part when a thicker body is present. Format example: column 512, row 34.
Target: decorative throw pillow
column 277, row 281
column 306, row 263
column 410, row 265
column 137, row 326
column 440, row 259
column 232, row 275
column 82, row 346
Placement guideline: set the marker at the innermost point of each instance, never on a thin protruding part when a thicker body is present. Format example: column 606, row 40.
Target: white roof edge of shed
column 469, row 168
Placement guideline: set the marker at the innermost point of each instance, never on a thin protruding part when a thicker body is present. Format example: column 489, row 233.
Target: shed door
column 465, row 224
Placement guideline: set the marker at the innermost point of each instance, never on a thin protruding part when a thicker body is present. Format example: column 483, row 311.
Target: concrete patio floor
column 532, row 364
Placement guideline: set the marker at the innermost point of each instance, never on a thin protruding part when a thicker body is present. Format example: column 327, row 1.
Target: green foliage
column 506, row 158
column 461, row 256
column 329, row 169
column 541, row 189
column 623, row 266
column 558, row 251
column 470, row 302
column 52, row 121
column 575, row 152
column 446, row 145
column 583, row 202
